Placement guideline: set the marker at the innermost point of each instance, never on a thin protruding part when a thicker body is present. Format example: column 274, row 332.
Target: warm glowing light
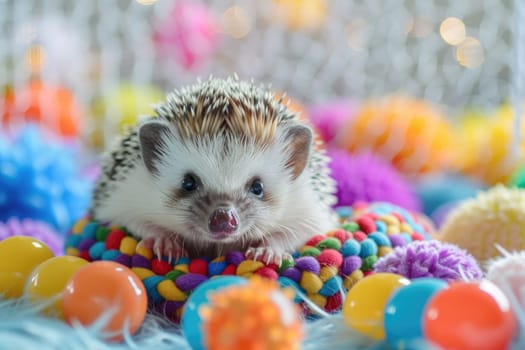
column 418, row 27
column 356, row 33
column 470, row 53
column 35, row 57
column 301, row 14
column 236, row 22
column 452, row 30
column 146, row 2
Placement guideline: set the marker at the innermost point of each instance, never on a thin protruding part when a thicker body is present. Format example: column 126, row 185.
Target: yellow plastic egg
column 19, row 255
column 48, row 280
column 363, row 308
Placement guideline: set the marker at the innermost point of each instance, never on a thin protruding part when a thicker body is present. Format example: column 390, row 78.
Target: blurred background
column 418, row 102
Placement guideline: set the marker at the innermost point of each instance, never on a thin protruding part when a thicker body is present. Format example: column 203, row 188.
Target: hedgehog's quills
column 223, row 166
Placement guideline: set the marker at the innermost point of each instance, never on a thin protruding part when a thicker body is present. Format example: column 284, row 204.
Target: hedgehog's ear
column 299, row 141
column 152, row 142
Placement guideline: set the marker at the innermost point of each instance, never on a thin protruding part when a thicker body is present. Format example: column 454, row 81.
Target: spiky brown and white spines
column 226, row 136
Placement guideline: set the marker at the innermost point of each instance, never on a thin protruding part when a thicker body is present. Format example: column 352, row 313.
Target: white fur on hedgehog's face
column 200, row 178
column 160, row 194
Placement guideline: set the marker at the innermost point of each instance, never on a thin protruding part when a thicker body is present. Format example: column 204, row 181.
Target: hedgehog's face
column 221, row 189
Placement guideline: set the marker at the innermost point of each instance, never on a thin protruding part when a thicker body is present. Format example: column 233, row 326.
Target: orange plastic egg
column 106, row 288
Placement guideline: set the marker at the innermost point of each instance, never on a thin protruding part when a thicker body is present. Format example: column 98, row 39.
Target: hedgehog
column 222, row 165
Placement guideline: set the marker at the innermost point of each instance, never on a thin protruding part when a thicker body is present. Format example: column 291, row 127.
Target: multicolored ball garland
column 342, row 256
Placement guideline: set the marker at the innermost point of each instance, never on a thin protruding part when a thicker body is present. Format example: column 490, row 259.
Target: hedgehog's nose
column 223, row 222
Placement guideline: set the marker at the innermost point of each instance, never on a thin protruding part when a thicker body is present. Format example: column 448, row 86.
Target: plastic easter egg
column 404, row 312
column 106, row 288
column 47, row 281
column 19, row 255
column 191, row 321
column 469, row 315
column 363, row 308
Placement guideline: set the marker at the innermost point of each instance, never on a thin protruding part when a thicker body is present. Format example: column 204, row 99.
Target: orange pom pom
column 410, row 134
column 257, row 315
column 55, row 108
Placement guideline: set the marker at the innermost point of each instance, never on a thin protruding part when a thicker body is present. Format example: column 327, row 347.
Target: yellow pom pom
column 317, row 299
column 79, row 226
column 392, row 230
column 404, row 227
column 493, row 217
column 389, row 219
column 382, row 251
column 142, row 272
column 145, row 252
column 327, row 272
column 353, row 278
column 182, row 267
column 170, row 291
column 128, row 245
column 310, row 282
column 248, row 267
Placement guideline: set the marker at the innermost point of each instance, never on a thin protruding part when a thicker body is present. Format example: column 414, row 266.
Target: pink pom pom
column 188, row 34
column 329, row 118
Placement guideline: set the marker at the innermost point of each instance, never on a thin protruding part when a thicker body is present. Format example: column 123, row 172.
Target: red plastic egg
column 469, row 315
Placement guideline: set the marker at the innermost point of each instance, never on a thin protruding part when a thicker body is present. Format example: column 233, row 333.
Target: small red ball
column 330, row 257
column 198, row 266
column 114, row 238
column 160, row 267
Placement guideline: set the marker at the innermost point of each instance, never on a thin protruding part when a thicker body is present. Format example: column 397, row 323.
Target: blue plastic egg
column 191, row 322
column 404, row 312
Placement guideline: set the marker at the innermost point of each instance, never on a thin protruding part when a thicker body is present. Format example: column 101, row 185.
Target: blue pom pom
column 380, row 238
column 110, row 255
column 39, row 180
column 150, row 283
column 73, row 240
column 381, row 226
column 331, row 286
column 368, row 247
column 96, row 250
column 215, row 268
column 350, row 247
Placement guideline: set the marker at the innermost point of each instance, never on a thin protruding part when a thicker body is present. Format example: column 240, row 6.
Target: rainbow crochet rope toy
column 319, row 269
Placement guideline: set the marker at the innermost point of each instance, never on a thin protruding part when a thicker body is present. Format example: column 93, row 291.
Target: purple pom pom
column 35, row 229
column 365, row 177
column 430, row 259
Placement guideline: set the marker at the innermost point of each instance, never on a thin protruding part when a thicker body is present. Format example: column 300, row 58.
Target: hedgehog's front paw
column 267, row 255
column 165, row 245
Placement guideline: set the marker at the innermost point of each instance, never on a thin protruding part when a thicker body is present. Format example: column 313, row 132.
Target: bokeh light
column 470, row 53
column 236, row 22
column 452, row 30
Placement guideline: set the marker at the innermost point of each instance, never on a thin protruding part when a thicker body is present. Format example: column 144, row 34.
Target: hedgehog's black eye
column 257, row 188
column 189, row 183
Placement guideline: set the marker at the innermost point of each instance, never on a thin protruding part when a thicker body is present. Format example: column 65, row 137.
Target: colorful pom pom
column 367, row 177
column 52, row 190
column 430, row 259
